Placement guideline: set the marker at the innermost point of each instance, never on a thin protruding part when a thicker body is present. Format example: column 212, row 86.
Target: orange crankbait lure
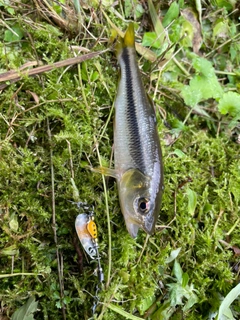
column 87, row 233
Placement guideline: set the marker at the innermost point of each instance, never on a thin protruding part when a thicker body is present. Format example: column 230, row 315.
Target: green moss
column 200, row 207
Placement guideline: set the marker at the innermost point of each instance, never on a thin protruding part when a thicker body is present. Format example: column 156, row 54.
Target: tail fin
column 127, row 41
column 129, row 38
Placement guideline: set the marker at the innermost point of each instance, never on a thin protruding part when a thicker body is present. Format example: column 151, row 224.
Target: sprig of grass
column 54, row 226
column 108, row 219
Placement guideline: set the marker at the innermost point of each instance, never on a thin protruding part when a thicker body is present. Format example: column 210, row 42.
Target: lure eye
column 143, row 205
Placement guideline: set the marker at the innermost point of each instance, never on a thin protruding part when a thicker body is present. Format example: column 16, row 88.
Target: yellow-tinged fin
column 143, row 51
column 127, row 41
column 129, row 38
column 105, row 171
column 113, row 36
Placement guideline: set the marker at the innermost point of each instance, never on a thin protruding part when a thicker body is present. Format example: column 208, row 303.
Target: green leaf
column 178, row 126
column 26, row 311
column 139, row 11
column 121, row 311
column 203, row 85
column 146, row 304
column 77, row 6
column 199, row 9
column 13, row 223
column 187, row 33
column 158, row 27
column 132, row 7
column 173, row 255
column 15, row 34
column 172, row 13
column 192, row 200
column 203, row 66
column 94, row 76
column 177, row 271
column 9, row 251
column 224, row 312
column 185, row 279
column 230, row 103
column 221, row 29
column 7, row 6
column 164, row 312
column 225, row 4
column 150, row 40
column 191, row 301
column 176, row 294
column 179, row 153
column 127, row 8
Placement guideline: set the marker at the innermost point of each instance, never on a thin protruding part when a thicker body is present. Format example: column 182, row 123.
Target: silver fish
column 137, row 151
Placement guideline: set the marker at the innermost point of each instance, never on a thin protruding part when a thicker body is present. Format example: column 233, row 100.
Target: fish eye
column 143, row 205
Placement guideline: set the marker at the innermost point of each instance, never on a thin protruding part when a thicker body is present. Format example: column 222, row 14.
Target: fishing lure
column 87, row 233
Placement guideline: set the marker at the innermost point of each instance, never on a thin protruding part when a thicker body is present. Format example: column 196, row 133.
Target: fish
column 138, row 165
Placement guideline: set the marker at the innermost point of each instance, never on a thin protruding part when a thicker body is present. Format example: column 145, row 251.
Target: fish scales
column 136, row 114
column 131, row 111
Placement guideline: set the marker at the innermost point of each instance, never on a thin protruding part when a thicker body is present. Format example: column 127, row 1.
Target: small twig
column 19, row 274
column 105, row 304
column 71, row 160
column 60, row 272
column 181, row 67
column 143, row 249
column 225, row 73
column 14, row 76
column 30, row 135
column 217, row 221
column 108, row 219
column 152, row 308
column 81, row 86
column 175, row 203
column 222, row 45
column 187, row 116
column 47, row 101
column 7, row 26
column 12, row 264
column 120, row 311
column 233, row 227
column 107, row 123
column 162, row 68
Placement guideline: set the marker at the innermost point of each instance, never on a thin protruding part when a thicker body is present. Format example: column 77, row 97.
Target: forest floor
column 56, row 119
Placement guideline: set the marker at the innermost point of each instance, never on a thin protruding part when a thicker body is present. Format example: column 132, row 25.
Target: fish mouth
column 134, row 227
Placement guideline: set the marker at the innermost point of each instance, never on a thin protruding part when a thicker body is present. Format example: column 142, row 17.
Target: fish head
column 139, row 203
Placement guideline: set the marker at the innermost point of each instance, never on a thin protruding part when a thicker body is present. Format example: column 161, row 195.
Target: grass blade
column 158, row 27
column 122, row 312
column 227, row 301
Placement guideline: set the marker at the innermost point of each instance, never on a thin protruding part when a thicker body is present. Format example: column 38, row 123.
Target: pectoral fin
column 105, row 171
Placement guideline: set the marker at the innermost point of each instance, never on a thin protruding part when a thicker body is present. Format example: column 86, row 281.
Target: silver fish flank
column 137, row 151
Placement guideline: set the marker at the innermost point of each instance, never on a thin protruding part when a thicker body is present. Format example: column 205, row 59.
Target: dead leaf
column 191, row 17
column 236, row 250
column 34, row 95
